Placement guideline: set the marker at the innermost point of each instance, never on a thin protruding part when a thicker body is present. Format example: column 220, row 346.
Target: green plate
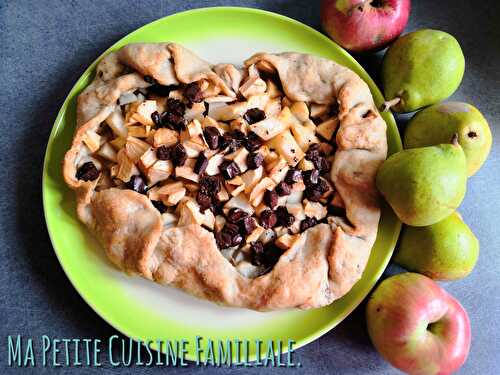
column 143, row 310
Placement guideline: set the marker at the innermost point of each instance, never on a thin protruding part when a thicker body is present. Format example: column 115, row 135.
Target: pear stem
column 454, row 140
column 388, row 104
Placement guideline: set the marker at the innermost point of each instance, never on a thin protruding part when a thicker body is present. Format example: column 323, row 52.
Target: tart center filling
column 254, row 170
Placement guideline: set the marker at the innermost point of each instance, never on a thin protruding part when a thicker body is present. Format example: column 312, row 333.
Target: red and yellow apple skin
column 364, row 25
column 417, row 326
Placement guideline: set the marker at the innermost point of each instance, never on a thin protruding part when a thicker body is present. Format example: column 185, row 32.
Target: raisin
column 155, row 116
column 322, row 186
column 163, row 153
column 201, row 164
column 257, row 250
column 137, row 184
column 179, row 155
column 253, row 142
column 149, row 79
column 254, row 160
column 322, row 164
column 283, row 189
column 310, row 177
column 87, row 172
column 307, row 223
column 313, row 194
column 230, row 141
column 210, row 185
column 229, row 169
column 223, row 239
column 160, row 206
column 173, row 117
column 248, row 225
column 161, row 90
column 292, row 176
column 271, row 198
column 236, row 214
column 284, row 217
column 254, row 115
column 212, row 136
column 193, row 93
column 268, row 219
column 312, row 152
column 203, row 200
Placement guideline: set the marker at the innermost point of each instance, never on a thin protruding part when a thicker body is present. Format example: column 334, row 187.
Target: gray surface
column 46, row 45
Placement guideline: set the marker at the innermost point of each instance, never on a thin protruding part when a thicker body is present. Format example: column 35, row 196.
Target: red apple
column 417, row 326
column 363, row 25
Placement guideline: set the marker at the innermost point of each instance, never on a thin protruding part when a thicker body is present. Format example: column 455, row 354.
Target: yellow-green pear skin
column 437, row 124
column 422, row 68
column 424, row 185
column 447, row 250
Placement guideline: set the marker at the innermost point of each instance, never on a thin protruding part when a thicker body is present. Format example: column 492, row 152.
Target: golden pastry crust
column 326, row 260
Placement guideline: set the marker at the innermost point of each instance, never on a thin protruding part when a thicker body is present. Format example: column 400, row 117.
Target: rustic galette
column 250, row 187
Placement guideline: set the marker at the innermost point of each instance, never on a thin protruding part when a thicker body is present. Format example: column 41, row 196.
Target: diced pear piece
column 159, row 171
column 144, row 111
column 226, row 112
column 251, row 178
column 318, row 110
column 117, row 123
column 169, row 219
column 240, row 201
column 257, row 194
column 297, row 210
column 126, row 168
column 300, row 110
column 272, row 90
column 194, row 128
column 268, row 128
column 304, row 136
column 165, row 137
column 213, row 164
column 273, row 107
column 175, row 197
column 240, row 158
column 327, row 128
column 253, row 85
column 189, row 213
column 306, row 165
column 108, row 152
column 135, row 148
column 209, row 219
column 314, row 209
column 286, row 241
column 147, row 159
column 285, row 144
column 220, row 221
column 267, row 236
column 92, row 140
column 254, row 236
column 258, row 101
column 186, row 171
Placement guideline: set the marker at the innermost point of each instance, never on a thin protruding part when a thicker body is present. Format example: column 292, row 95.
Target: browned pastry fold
column 319, row 268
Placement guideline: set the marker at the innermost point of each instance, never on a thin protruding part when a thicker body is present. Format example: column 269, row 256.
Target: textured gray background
column 46, row 45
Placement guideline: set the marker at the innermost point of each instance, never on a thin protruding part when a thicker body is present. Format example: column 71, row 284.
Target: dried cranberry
column 257, row 249
column 87, row 172
column 212, row 135
column 155, row 116
column 271, row 198
column 292, row 176
column 163, row 153
column 254, row 160
column 272, row 254
column 230, row 141
column 179, row 155
column 248, row 225
column 229, row 169
column 137, row 184
column 160, row 206
column 210, row 185
column 254, row 115
column 310, row 177
column 253, row 142
column 313, row 152
column 283, row 189
column 149, row 79
column 284, row 217
column 307, row 223
column 229, row 236
column 236, row 214
column 193, row 93
column 313, row 194
column 201, row 164
column 203, row 200
column 268, row 219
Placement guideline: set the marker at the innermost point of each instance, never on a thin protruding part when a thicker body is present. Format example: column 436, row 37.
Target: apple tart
column 248, row 186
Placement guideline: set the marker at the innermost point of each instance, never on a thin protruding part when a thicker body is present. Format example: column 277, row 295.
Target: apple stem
column 388, row 104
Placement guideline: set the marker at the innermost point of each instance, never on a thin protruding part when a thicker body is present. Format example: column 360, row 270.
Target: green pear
column 424, row 185
column 422, row 68
column 447, row 250
column 438, row 123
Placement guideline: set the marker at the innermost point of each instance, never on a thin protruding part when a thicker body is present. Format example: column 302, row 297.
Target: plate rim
column 315, row 334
